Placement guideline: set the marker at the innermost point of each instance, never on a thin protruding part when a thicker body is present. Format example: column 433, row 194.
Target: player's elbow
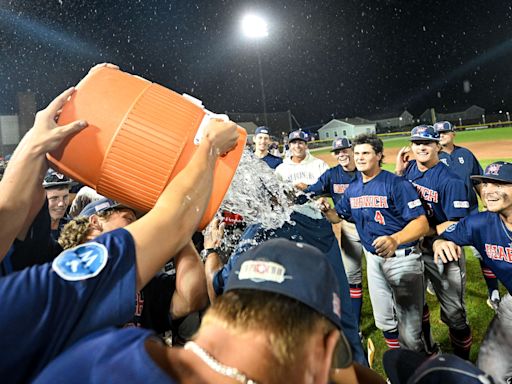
column 423, row 226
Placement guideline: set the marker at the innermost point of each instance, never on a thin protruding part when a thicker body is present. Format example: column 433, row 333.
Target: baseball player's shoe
column 430, row 288
column 494, row 300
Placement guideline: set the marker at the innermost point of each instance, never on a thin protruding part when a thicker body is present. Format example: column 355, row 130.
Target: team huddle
column 285, row 305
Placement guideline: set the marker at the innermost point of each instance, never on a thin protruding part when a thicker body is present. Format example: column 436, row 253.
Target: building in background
column 348, row 127
column 471, row 115
column 14, row 127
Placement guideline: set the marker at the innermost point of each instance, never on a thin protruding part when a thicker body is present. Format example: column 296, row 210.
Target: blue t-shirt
column 47, row 308
column 380, row 207
column 486, row 232
column 334, row 181
column 443, row 192
column 107, row 356
column 463, row 163
column 272, row 161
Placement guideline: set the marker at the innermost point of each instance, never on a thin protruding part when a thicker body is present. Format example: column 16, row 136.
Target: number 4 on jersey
column 379, row 218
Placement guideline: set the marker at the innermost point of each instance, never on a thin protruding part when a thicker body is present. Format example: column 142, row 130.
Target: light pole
column 508, row 116
column 254, row 27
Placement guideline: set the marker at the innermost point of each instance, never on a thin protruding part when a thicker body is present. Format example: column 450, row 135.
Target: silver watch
column 205, row 252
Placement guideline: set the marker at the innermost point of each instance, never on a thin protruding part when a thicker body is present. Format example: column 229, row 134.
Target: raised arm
column 21, row 192
column 166, row 228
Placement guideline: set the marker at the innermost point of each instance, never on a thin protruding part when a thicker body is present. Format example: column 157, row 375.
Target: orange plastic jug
column 140, row 136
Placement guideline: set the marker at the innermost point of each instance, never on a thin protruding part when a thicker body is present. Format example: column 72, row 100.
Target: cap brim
column 59, row 184
column 343, row 354
column 292, row 140
column 483, row 178
column 417, row 138
column 335, row 149
column 400, row 364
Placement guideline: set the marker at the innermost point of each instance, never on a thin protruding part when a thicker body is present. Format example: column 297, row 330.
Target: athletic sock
column 356, row 298
column 391, row 338
column 490, row 278
column 461, row 341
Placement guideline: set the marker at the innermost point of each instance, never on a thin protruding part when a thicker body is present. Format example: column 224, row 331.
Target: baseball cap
column 297, row 135
column 497, row 171
column 56, row 179
column 263, row 129
column 424, row 133
column 285, row 267
column 99, row 206
column 341, row 143
column 443, row 126
column 407, row 367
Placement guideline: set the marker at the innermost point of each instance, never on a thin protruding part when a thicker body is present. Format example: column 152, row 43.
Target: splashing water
column 259, row 195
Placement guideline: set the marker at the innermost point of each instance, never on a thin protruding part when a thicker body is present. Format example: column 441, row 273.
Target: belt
column 404, row 251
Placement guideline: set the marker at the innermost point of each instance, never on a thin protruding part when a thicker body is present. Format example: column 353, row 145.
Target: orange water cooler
column 140, row 135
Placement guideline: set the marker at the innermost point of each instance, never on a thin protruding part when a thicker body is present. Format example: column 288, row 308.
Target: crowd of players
column 95, row 291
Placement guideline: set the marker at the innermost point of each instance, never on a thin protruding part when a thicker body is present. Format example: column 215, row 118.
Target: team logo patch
column 260, row 271
column 461, row 160
column 444, row 161
column 493, row 169
column 414, row 203
column 451, row 228
column 82, row 262
column 461, row 204
column 339, row 188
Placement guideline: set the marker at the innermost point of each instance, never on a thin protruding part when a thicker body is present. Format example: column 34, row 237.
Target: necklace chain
column 218, row 367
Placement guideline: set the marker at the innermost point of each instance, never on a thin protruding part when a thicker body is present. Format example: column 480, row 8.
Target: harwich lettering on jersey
column 339, row 188
column 369, row 202
column 498, row 252
column 427, row 194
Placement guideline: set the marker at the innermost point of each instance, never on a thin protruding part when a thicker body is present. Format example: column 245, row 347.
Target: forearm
column 413, row 231
column 332, row 216
column 20, row 190
column 212, row 265
column 166, row 229
column 190, row 294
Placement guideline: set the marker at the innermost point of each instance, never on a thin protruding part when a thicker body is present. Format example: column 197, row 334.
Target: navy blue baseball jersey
column 463, row 163
column 333, row 181
column 382, row 206
column 272, row 161
column 443, row 192
column 113, row 356
column 47, row 308
column 486, row 232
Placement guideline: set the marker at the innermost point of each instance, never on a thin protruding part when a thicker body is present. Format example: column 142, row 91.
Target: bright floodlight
column 254, row 26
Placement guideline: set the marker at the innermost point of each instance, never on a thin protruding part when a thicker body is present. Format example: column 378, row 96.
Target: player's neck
column 54, row 223
column 349, row 168
column 370, row 174
column 260, row 154
column 506, row 217
column 448, row 148
column 427, row 165
column 297, row 159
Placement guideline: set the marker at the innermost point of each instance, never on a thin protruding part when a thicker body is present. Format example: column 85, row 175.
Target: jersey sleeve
column 49, row 310
column 342, row 207
column 460, row 232
column 455, row 200
column 407, row 200
column 322, row 184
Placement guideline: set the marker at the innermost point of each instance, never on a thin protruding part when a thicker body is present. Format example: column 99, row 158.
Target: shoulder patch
column 451, row 228
column 81, row 262
column 461, row 204
column 414, row 203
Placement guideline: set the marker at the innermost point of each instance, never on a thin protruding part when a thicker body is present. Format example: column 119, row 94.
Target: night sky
column 322, row 59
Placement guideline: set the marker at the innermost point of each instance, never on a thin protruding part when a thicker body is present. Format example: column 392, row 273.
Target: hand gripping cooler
column 140, row 136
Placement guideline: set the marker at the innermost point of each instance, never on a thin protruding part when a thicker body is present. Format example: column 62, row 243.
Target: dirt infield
column 482, row 150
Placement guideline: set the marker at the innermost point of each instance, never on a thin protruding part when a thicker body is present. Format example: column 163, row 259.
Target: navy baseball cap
column 99, row 206
column 54, row 179
column 407, row 367
column 341, row 143
column 297, row 135
column 264, row 130
column 497, row 171
column 424, row 133
column 285, row 267
column 443, row 126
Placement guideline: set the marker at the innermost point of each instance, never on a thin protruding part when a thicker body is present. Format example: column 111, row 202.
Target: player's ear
column 95, row 223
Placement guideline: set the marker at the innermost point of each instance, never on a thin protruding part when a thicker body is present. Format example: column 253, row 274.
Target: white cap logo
column 259, row 271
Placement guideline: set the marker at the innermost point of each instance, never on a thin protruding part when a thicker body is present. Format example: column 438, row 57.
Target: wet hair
column 287, row 322
column 74, row 233
column 373, row 140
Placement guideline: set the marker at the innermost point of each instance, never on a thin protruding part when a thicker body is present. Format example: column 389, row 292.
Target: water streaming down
column 258, row 194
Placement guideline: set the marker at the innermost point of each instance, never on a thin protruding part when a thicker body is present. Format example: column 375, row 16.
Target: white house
column 345, row 127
